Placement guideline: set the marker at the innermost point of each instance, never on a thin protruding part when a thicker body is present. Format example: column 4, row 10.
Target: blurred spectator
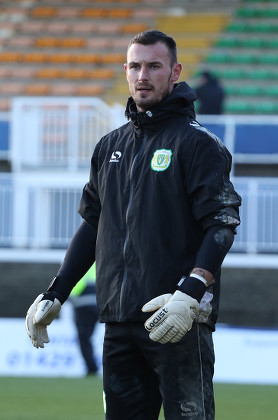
column 83, row 298
column 210, row 94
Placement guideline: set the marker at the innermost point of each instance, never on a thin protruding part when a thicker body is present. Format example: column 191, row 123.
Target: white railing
column 62, row 132
column 59, row 132
column 52, row 143
column 258, row 232
column 41, row 211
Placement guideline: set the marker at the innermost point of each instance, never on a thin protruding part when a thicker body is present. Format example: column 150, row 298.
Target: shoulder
column 114, row 134
column 204, row 136
column 110, row 139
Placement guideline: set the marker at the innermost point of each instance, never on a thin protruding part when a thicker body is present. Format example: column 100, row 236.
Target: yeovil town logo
column 161, row 160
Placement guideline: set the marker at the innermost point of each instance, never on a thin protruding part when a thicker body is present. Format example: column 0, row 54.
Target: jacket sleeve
column 90, row 206
column 79, row 258
column 214, row 248
column 211, row 194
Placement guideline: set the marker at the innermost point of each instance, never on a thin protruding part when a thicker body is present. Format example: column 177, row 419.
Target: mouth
column 143, row 89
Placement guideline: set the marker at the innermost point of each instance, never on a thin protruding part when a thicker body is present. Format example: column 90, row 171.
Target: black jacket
column 157, row 184
column 211, row 96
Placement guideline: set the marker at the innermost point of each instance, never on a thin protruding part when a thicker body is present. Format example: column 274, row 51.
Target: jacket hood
column 180, row 101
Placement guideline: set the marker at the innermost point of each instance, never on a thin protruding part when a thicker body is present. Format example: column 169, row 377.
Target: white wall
column 242, row 355
column 60, row 357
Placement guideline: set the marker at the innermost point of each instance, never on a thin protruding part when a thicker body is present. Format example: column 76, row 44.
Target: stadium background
column 75, row 50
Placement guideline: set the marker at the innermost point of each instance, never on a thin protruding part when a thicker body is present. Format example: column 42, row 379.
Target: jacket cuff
column 192, row 286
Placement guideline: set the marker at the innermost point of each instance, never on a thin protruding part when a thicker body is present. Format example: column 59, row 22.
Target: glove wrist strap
column 51, row 295
column 192, row 286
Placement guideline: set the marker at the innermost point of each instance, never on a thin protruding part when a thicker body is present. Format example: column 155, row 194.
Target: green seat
column 269, row 59
column 227, row 43
column 244, row 107
column 244, row 59
column 250, row 90
column 271, row 90
column 219, row 58
column 260, row 74
column 253, row 43
column 266, row 108
column 245, row 90
column 274, row 75
column 273, row 43
column 231, row 90
column 265, row 28
column 249, row 13
column 261, row 1
column 257, row 13
column 232, row 74
column 237, row 27
column 261, row 27
column 270, row 13
column 238, row 107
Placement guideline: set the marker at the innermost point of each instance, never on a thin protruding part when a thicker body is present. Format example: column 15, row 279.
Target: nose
column 143, row 73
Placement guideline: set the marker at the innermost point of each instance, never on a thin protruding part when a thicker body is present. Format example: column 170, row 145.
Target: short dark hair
column 152, row 37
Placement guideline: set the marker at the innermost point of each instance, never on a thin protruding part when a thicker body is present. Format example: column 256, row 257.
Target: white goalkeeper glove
column 174, row 317
column 40, row 314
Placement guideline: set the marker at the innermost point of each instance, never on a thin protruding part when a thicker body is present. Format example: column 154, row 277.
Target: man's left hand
column 174, row 317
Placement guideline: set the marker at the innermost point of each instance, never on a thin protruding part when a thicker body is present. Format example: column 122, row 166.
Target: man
column 83, row 299
column 210, row 95
column 160, row 215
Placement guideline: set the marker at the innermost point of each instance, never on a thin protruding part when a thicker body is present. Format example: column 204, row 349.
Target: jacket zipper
column 126, row 242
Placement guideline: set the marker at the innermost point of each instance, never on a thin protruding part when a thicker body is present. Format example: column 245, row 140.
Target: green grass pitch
column 81, row 398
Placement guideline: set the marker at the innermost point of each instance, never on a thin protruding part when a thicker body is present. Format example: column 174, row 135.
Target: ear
column 176, row 71
column 125, row 67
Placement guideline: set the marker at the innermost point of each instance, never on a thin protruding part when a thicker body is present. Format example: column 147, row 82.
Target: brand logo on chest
column 115, row 157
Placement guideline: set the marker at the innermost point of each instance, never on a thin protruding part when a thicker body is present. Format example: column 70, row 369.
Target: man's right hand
column 41, row 313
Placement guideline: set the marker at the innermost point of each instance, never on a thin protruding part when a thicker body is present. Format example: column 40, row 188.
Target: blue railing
column 5, row 126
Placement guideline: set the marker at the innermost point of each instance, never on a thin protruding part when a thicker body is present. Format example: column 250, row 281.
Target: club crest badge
column 161, row 160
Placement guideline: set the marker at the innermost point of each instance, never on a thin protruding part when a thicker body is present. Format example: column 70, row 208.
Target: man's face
column 150, row 74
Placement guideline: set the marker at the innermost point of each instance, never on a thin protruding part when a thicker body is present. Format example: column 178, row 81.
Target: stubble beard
column 144, row 104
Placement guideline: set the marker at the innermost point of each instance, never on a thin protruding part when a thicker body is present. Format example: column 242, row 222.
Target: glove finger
column 193, row 313
column 28, row 325
column 158, row 333
column 34, row 342
column 38, row 337
column 156, row 319
column 29, row 321
column 31, row 328
column 177, row 337
column 160, row 337
column 45, row 337
column 170, row 335
column 34, row 336
column 156, row 303
column 171, row 330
